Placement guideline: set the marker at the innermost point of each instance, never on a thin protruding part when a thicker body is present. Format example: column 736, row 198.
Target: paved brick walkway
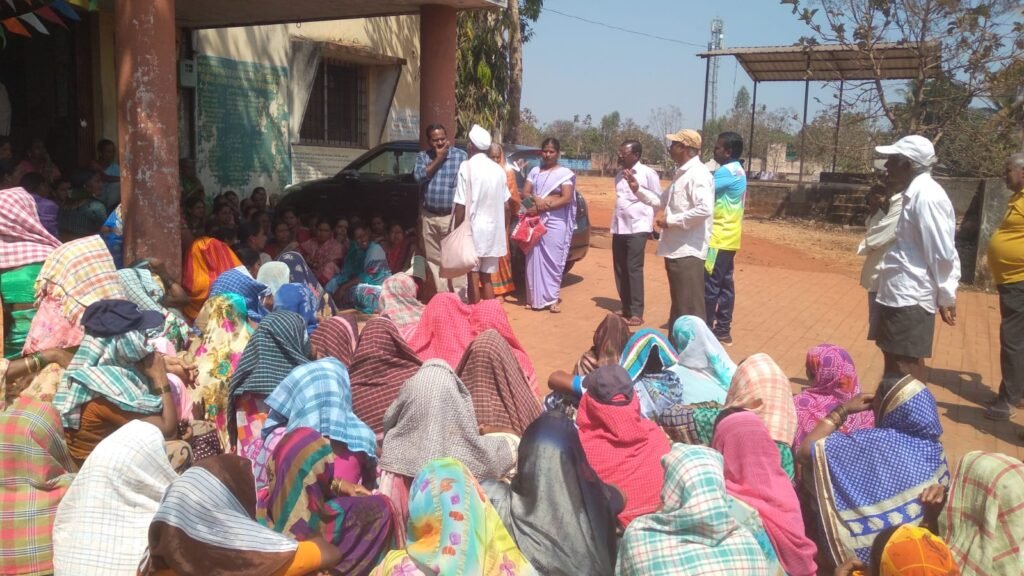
column 784, row 313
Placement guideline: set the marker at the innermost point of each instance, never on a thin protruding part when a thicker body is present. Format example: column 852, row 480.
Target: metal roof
column 226, row 13
column 832, row 62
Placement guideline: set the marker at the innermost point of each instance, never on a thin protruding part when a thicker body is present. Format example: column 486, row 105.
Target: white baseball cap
column 917, row 149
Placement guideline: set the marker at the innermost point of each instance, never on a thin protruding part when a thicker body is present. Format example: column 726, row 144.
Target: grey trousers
column 685, row 287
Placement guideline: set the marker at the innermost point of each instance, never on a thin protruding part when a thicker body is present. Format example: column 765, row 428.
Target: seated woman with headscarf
column 26, row 245
column 693, row 532
column 433, row 417
column 609, row 341
column 381, row 364
column 298, row 299
column 74, row 276
column 698, row 350
column 760, row 491
column 102, row 521
column 834, row 381
column 226, row 331
column 624, row 448
column 239, row 281
column 335, row 338
column 323, row 253
column 207, row 259
column 206, row 524
column 307, row 498
column 317, row 396
column 448, row 326
column 277, row 347
column 870, row 480
column 398, row 303
column 114, row 378
column 501, row 395
column 759, row 386
column 37, row 471
column 358, row 283
column 142, row 288
column 980, row 515
column 453, row 529
column 556, row 496
column 299, row 272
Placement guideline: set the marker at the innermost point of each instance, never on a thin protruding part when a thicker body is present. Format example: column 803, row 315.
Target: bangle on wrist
column 161, row 390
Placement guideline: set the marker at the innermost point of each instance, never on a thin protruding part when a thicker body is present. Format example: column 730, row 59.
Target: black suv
column 381, row 182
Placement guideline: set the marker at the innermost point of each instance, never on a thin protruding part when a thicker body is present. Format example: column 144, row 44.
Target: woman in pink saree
column 550, row 192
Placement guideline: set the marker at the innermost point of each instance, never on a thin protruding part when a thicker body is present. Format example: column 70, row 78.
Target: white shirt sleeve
column 460, row 187
column 937, row 233
column 884, row 232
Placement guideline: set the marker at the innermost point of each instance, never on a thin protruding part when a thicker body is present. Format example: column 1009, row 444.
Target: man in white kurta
column 483, row 186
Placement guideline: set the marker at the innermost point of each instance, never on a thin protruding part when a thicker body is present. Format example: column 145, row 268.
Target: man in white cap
column 686, row 225
column 921, row 270
column 483, row 185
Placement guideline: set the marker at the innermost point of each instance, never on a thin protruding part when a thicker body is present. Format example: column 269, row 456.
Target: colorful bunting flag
column 35, row 23
column 47, row 13
column 16, row 27
column 65, row 10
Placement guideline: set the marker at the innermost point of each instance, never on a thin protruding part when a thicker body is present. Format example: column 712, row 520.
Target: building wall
column 244, row 107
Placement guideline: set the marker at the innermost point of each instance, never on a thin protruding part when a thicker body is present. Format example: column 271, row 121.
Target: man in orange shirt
column 1006, row 259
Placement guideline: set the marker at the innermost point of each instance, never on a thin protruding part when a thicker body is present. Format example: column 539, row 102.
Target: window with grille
column 336, row 114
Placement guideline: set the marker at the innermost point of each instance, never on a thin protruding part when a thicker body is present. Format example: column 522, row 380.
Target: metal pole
column 839, row 121
column 704, row 115
column 750, row 143
column 803, row 130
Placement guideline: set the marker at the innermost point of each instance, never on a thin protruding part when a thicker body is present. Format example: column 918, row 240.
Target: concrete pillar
column 438, row 40
column 147, row 128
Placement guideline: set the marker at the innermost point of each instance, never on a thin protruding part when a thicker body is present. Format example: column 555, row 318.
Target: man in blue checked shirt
column 437, row 171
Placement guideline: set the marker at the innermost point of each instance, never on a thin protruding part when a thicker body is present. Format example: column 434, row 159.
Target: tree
column 742, row 100
column 489, row 78
column 858, row 135
column 976, row 40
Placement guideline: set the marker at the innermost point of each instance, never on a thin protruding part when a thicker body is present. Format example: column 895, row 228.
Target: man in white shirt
column 483, row 185
column 879, row 236
column 632, row 225
column 686, row 225
column 921, row 271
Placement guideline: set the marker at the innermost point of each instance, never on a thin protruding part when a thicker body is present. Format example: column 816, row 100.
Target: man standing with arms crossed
column 730, row 195
column 921, row 270
column 632, row 225
column 1006, row 259
column 686, row 225
column 437, row 171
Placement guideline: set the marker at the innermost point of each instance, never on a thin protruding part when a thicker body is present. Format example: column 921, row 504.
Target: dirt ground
column 554, row 342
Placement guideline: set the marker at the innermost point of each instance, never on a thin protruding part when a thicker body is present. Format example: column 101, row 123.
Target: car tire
column 568, row 267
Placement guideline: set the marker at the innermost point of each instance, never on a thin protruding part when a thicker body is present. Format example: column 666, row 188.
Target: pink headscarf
column 448, row 326
column 753, row 474
column 831, row 370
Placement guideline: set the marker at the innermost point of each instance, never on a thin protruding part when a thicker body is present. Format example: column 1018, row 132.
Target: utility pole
column 717, row 29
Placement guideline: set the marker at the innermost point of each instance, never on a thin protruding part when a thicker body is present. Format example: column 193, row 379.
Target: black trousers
column 1011, row 342
column 628, row 263
column 685, row 287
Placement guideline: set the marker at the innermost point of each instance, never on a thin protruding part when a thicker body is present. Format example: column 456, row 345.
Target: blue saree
column 870, row 480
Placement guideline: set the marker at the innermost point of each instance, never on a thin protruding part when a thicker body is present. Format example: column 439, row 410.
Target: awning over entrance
column 225, row 13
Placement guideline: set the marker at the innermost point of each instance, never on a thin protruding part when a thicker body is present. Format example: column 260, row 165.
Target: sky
column 572, row 67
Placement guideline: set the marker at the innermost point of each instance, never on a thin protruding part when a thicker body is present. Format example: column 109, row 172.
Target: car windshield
column 388, row 165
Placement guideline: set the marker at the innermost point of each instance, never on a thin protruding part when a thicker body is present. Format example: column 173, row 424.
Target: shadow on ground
column 609, row 304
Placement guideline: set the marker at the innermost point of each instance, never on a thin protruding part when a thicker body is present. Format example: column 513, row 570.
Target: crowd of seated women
column 254, row 419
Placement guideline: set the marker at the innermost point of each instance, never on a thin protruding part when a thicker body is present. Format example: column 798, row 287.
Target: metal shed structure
column 827, row 63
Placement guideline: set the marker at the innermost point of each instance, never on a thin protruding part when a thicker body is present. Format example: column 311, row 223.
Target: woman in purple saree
column 551, row 193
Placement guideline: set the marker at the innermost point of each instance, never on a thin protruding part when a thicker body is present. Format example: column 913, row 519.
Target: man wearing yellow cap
column 688, row 206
